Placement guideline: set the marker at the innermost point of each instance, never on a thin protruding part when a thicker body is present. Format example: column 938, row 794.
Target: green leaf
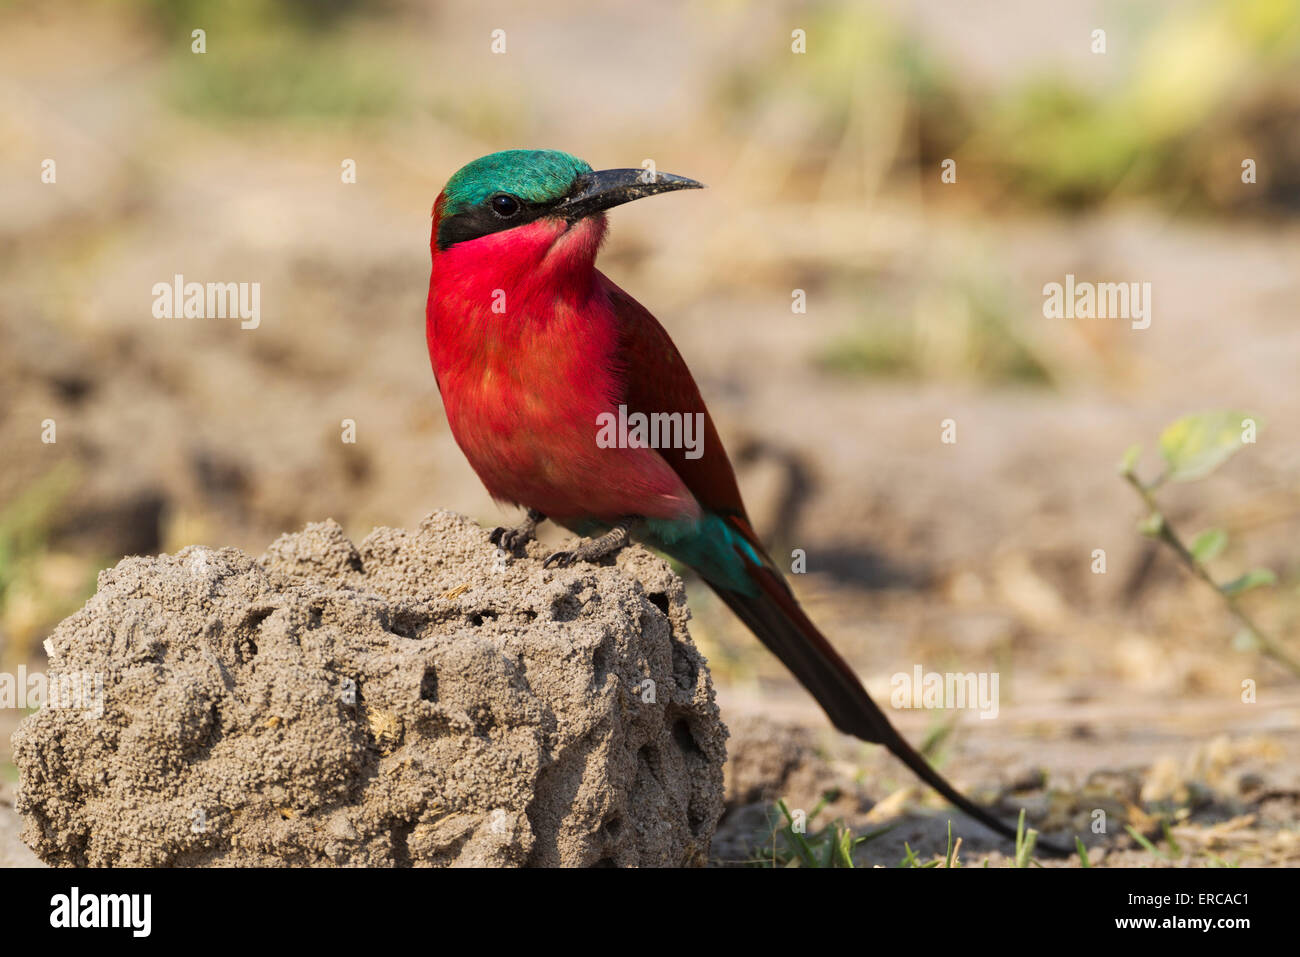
column 1196, row 445
column 1252, row 579
column 1083, row 853
column 1152, row 525
column 1137, row 836
column 847, row 843
column 1130, row 460
column 1209, row 544
column 1025, row 840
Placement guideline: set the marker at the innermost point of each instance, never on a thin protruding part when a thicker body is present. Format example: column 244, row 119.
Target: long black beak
column 607, row 188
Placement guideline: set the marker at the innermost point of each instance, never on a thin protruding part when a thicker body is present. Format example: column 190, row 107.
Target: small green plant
column 1144, row 842
column 1173, row 848
column 1192, row 448
column 911, row 860
column 831, row 846
column 1025, row 841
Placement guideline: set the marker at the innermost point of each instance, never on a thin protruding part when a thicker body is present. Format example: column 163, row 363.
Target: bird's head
column 553, row 190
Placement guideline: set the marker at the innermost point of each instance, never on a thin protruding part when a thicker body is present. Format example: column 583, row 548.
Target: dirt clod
column 418, row 699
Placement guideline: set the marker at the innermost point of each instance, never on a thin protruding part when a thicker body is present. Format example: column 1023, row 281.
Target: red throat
column 547, row 254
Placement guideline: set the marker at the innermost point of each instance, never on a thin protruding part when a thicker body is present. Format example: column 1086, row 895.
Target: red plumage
column 523, row 386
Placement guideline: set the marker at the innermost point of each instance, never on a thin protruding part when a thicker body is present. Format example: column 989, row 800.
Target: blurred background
column 924, row 303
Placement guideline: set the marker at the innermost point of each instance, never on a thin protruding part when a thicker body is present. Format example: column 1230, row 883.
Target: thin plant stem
column 1165, row 533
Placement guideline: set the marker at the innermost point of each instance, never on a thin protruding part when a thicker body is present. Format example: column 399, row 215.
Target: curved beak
column 603, row 189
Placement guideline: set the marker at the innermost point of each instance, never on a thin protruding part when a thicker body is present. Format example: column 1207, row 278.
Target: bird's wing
column 656, row 379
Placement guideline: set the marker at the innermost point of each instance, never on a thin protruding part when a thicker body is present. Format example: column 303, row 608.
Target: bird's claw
column 591, row 549
column 510, row 539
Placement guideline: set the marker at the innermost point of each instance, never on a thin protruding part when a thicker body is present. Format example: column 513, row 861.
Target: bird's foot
column 519, row 536
column 592, row 549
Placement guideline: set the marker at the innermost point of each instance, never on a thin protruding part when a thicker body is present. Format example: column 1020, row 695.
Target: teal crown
column 534, row 176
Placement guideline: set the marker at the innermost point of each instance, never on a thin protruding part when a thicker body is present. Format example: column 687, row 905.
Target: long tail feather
column 775, row 617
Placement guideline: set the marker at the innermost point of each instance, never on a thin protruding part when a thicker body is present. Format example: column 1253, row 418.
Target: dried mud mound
column 419, row 699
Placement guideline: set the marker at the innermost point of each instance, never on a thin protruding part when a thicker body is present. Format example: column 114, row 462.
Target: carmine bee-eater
column 533, row 348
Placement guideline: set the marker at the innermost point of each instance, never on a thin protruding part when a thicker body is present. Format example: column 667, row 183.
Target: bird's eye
column 504, row 206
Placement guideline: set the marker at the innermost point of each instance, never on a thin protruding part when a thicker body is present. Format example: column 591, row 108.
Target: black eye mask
column 590, row 193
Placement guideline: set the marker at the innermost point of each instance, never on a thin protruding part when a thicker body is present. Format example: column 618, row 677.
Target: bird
column 536, row 352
